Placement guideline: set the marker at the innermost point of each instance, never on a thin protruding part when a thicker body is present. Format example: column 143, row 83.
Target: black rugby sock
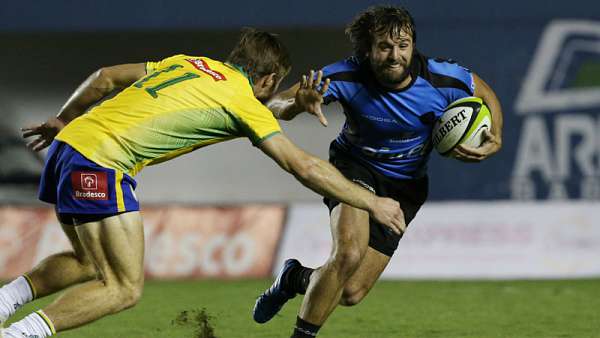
column 297, row 279
column 305, row 329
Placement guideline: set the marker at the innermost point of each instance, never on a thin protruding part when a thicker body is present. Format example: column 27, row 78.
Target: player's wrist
column 61, row 120
column 371, row 203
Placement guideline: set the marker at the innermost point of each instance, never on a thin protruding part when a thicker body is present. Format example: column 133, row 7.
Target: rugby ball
column 462, row 122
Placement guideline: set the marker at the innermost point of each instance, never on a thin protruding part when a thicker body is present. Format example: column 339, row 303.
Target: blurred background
column 227, row 211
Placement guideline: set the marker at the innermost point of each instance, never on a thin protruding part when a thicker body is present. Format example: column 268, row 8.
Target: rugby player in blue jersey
column 391, row 95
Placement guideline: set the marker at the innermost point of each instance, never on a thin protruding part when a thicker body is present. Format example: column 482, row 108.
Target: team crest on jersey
column 202, row 66
column 90, row 185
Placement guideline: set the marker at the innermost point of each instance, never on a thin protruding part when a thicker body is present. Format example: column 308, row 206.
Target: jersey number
column 153, row 91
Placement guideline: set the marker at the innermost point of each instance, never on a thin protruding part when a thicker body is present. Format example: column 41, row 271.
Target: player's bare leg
column 350, row 231
column 62, row 270
column 116, row 247
column 364, row 278
column 357, row 287
column 53, row 274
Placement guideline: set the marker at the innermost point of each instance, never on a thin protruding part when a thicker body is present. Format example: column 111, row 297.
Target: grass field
column 543, row 309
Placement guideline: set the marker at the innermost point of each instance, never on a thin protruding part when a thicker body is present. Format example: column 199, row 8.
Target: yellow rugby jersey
column 183, row 103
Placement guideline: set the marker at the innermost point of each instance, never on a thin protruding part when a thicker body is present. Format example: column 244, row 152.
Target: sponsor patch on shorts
column 89, row 185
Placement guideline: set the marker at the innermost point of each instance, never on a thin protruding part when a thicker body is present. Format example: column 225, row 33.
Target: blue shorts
column 79, row 186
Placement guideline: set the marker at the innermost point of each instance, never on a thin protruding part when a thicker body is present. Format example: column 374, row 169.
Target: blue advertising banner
column 548, row 81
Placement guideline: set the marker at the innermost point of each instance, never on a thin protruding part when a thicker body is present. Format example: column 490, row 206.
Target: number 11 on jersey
column 153, row 91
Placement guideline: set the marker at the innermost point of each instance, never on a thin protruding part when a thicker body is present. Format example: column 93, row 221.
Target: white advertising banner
column 181, row 241
column 472, row 240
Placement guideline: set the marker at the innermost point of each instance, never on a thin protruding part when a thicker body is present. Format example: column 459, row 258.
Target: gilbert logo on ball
column 462, row 122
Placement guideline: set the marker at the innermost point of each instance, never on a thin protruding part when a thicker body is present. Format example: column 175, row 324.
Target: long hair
column 260, row 53
column 379, row 20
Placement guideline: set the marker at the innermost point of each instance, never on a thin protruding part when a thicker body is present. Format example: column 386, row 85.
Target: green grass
column 588, row 75
column 541, row 309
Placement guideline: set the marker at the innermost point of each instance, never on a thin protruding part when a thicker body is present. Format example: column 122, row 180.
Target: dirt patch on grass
column 199, row 320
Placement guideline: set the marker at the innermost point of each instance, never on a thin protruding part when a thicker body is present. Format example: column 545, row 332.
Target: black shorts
column 410, row 193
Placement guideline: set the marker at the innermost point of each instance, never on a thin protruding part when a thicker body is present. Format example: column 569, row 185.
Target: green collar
column 241, row 70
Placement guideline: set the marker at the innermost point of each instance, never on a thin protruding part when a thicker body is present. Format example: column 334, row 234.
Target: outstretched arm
column 492, row 140
column 93, row 89
column 326, row 180
column 97, row 86
column 304, row 96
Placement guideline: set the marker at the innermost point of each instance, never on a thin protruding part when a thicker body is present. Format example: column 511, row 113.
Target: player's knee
column 130, row 294
column 124, row 292
column 353, row 295
column 347, row 261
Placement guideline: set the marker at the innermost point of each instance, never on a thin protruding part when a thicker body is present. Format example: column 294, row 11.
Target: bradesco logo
column 558, row 154
column 202, row 66
column 89, row 185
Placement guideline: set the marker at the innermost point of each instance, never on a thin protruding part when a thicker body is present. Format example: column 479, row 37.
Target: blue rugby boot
column 272, row 300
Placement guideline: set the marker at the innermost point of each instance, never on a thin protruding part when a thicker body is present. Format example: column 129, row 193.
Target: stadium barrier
column 500, row 240
column 181, row 242
column 474, row 240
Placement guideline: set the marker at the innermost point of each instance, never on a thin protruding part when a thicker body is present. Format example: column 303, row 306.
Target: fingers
column 469, row 154
column 398, row 221
column 319, row 113
column 310, row 82
column 466, row 156
column 398, row 227
column 319, row 78
column 35, row 143
column 30, row 131
column 394, row 225
column 462, row 154
column 470, row 151
column 325, row 87
column 311, row 78
column 401, row 222
column 396, row 230
column 303, row 82
column 42, row 145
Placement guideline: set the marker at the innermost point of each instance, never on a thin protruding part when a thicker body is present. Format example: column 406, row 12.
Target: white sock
column 36, row 325
column 14, row 295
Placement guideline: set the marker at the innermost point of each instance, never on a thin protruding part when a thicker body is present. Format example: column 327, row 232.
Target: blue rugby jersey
column 390, row 130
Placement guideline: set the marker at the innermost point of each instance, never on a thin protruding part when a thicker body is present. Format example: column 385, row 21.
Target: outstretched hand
column 388, row 212
column 309, row 96
column 45, row 131
column 491, row 145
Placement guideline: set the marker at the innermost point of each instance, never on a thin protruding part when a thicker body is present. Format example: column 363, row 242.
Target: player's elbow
column 103, row 78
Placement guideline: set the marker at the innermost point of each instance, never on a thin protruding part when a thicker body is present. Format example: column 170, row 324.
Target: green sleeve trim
column 147, row 68
column 257, row 143
column 248, row 131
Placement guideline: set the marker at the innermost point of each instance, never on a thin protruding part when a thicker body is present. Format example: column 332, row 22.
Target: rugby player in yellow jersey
column 164, row 109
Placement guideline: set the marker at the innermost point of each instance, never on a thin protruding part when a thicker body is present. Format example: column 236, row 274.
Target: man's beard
column 389, row 76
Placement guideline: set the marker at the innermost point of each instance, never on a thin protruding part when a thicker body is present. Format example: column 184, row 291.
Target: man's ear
column 264, row 81
column 269, row 80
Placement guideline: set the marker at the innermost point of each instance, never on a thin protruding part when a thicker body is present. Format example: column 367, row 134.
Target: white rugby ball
column 462, row 122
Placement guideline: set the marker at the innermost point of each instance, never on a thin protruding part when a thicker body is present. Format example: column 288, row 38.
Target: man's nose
column 394, row 54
